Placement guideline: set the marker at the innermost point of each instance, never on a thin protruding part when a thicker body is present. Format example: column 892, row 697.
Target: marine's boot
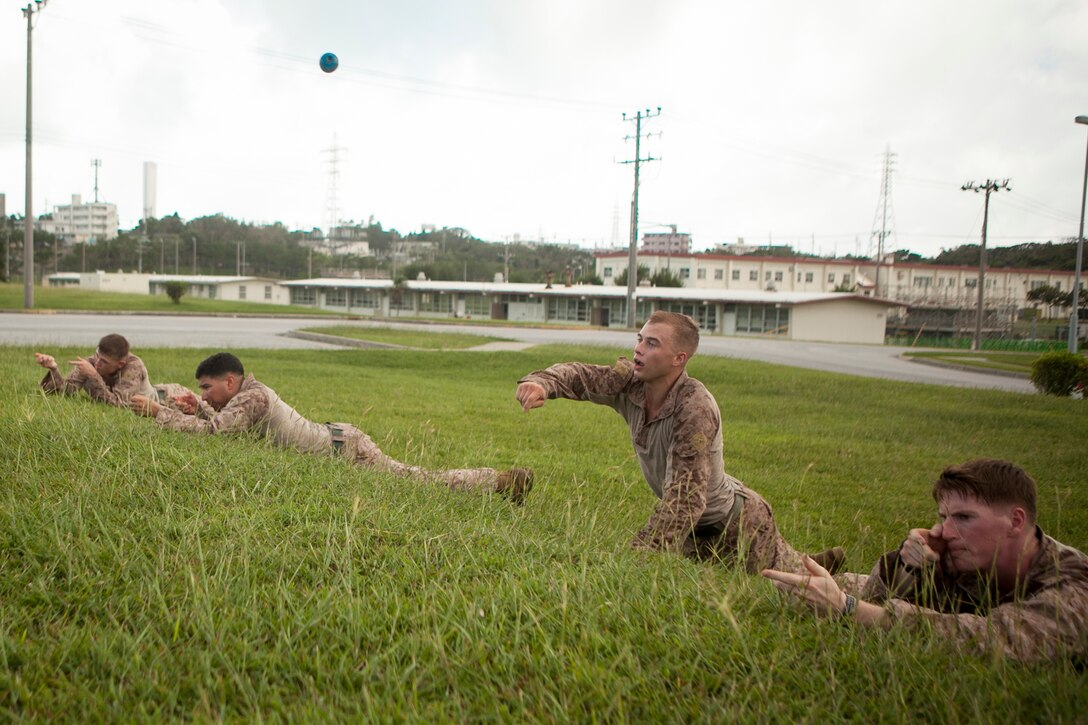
column 833, row 559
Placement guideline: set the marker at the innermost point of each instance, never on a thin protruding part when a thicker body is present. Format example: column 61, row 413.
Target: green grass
column 1016, row 362
column 417, row 339
column 150, row 575
column 59, row 298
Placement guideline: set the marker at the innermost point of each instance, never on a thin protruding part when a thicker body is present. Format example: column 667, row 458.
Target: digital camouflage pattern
column 258, row 409
column 1047, row 619
column 680, row 453
column 116, row 389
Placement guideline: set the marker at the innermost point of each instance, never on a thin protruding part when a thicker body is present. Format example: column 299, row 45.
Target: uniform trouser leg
column 753, row 539
column 364, row 452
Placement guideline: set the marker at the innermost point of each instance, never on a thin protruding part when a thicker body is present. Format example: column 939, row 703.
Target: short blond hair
column 684, row 329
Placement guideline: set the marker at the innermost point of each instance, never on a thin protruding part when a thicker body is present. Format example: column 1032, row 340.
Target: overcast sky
column 505, row 116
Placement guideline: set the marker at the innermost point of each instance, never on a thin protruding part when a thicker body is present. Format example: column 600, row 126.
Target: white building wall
column 920, row 285
column 845, row 321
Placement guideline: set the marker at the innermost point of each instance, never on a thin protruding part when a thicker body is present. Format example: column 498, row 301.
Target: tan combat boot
column 515, row 484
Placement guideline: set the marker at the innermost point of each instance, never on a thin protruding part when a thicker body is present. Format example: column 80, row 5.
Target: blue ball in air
column 329, row 62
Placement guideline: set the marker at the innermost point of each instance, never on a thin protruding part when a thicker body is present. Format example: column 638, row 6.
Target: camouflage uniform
column 115, row 389
column 704, row 512
column 1046, row 619
column 257, row 408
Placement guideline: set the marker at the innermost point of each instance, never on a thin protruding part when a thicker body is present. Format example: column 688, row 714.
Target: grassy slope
column 152, row 574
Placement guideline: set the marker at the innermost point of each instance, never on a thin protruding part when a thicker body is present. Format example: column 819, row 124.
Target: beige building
column 226, row 287
column 828, row 317
column 911, row 285
column 79, row 223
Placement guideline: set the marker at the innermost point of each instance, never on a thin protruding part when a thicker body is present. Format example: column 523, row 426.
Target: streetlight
column 990, row 186
column 28, row 220
column 1073, row 320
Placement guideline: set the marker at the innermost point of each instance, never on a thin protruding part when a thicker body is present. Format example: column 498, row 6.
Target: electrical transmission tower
column 884, row 211
column 97, row 164
column 632, row 254
column 332, row 202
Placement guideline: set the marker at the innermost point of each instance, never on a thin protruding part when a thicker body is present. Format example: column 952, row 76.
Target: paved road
column 269, row 332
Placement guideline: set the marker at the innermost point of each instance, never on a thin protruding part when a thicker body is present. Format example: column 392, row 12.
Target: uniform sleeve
column 1049, row 625
column 579, row 381
column 242, row 413
column 131, row 379
column 54, row 383
column 683, row 498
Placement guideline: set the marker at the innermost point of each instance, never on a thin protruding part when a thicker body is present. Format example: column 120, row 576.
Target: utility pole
column 882, row 212
column 1074, row 323
column 991, row 185
column 28, row 219
column 632, row 253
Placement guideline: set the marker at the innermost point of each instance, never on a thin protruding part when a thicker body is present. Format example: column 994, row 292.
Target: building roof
column 676, row 294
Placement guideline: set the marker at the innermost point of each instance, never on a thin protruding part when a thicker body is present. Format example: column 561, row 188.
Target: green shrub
column 1059, row 373
column 174, row 290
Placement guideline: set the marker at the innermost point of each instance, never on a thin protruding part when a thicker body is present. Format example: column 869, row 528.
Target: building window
column 951, row 281
column 763, row 319
column 478, row 305
column 568, row 309
column 700, row 274
column 336, row 297
column 767, row 276
column 241, row 291
column 365, row 298
column 777, row 276
column 268, row 291
column 303, row 296
column 808, row 276
column 922, row 282
column 685, row 273
column 831, row 278
column 431, row 302
column 607, row 272
column 753, row 276
column 846, row 279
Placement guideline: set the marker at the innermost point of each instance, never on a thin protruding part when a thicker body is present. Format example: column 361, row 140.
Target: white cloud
column 505, row 117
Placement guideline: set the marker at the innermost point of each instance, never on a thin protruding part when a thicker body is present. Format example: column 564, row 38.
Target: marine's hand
column 46, row 361
column 143, row 405
column 923, row 547
column 85, row 366
column 531, row 395
column 817, row 588
column 186, row 403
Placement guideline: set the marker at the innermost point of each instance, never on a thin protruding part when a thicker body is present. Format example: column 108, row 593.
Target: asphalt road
column 43, row 330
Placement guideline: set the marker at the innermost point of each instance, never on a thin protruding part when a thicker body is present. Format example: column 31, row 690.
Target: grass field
column 148, row 575
column 418, row 339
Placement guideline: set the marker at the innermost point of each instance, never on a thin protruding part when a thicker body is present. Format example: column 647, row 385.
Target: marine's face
column 107, row 365
column 654, row 354
column 974, row 532
column 217, row 392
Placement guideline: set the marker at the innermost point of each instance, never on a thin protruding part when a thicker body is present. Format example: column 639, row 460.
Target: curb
column 343, row 341
column 965, row 368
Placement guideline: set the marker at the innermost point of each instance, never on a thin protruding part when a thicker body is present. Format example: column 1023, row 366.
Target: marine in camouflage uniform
column 985, row 578
column 111, row 379
column 256, row 408
column 1044, row 618
column 703, row 512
